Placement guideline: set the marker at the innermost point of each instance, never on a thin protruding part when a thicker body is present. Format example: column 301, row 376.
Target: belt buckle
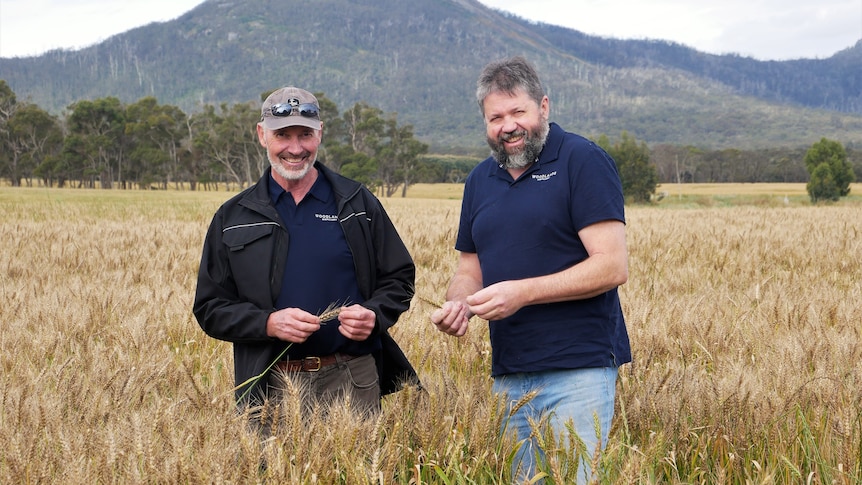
column 311, row 361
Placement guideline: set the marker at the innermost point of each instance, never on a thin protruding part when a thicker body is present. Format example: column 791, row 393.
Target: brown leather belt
column 312, row 364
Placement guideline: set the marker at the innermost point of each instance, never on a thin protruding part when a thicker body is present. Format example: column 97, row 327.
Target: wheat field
column 744, row 320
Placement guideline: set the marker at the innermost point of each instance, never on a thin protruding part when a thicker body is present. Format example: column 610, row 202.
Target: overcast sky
column 763, row 29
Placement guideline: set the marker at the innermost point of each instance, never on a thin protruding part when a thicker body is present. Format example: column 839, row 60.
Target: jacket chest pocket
column 238, row 238
column 250, row 251
column 249, row 248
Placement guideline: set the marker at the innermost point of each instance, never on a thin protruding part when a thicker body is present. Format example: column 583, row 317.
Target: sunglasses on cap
column 307, row 110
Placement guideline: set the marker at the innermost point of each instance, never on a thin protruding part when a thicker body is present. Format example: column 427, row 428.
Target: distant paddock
column 794, row 191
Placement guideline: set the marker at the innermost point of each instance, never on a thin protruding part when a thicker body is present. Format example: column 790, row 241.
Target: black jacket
column 241, row 271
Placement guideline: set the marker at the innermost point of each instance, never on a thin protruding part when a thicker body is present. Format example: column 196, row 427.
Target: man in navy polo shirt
column 542, row 251
column 283, row 251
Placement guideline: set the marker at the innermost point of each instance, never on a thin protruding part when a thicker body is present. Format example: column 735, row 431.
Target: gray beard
column 289, row 174
column 532, row 149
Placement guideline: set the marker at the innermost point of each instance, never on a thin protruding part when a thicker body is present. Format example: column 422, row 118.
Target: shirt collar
column 321, row 190
column 550, row 152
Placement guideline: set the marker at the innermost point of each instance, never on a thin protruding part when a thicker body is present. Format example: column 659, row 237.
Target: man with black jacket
column 302, row 241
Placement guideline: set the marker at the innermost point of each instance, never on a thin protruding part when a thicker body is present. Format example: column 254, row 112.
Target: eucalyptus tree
column 225, row 141
column 156, row 134
column 35, row 140
column 352, row 148
column 676, row 164
column 831, row 172
column 399, row 157
column 639, row 177
column 96, row 140
column 202, row 129
column 8, row 101
column 371, row 147
column 334, row 133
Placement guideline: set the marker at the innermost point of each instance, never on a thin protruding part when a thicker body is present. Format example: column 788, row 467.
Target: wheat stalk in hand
column 331, row 313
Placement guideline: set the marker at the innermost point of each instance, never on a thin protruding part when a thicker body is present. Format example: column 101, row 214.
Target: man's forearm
column 461, row 287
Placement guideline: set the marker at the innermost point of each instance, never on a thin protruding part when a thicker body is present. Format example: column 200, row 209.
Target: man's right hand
column 292, row 325
column 452, row 318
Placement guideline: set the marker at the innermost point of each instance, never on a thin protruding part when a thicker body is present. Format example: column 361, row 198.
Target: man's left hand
column 357, row 322
column 497, row 301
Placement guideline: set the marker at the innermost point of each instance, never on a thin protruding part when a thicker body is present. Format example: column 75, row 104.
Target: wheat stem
column 432, row 303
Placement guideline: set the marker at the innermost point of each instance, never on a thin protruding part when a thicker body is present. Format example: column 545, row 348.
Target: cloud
column 798, row 30
column 31, row 27
column 765, row 29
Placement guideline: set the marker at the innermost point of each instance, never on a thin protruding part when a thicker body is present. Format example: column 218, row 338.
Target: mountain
column 420, row 59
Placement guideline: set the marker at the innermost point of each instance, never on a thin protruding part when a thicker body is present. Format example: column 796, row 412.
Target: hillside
column 421, row 58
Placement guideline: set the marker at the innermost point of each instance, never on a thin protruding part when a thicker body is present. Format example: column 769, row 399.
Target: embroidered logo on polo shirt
column 541, row 177
column 327, row 217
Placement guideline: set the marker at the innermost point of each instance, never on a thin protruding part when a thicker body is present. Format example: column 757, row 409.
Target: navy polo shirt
column 529, row 227
column 319, row 269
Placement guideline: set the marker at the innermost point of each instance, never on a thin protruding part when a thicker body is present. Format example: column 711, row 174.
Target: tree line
column 147, row 145
column 104, row 143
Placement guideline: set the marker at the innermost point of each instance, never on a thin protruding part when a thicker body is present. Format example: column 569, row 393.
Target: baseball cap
column 290, row 106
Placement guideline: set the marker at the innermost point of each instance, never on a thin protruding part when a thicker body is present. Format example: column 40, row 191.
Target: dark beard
column 532, row 148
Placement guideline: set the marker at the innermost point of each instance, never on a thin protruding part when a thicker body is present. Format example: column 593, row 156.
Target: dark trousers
column 353, row 383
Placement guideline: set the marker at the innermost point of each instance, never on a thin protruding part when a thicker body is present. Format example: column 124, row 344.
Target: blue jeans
column 579, row 396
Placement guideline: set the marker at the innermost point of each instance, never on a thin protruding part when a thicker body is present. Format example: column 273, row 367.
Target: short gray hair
column 507, row 76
